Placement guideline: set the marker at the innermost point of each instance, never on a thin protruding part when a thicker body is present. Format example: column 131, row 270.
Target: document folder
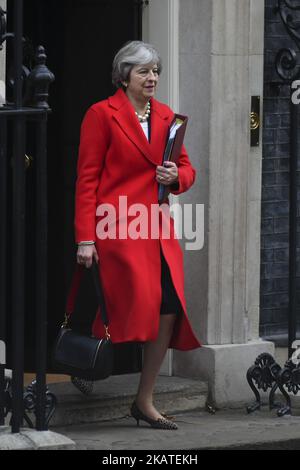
column 173, row 148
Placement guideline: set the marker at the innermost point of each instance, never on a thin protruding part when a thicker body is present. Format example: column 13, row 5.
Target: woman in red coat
column 122, row 142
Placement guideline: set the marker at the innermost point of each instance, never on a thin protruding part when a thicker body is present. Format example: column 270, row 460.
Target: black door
column 80, row 38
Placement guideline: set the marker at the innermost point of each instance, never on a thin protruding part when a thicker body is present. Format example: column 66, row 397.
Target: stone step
column 111, row 398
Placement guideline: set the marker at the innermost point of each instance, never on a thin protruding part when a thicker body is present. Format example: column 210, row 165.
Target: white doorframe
column 160, row 28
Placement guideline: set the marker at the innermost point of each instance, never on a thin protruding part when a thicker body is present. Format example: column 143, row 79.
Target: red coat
column 116, row 159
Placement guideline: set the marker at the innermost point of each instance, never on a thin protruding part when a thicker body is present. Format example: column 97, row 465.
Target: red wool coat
column 116, row 159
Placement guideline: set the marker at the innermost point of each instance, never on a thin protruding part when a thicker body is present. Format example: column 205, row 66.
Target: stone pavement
column 198, row 430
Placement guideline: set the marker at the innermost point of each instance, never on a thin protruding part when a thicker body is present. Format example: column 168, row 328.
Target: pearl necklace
column 143, row 118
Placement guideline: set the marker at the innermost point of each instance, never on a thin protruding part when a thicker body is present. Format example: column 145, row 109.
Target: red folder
column 172, row 150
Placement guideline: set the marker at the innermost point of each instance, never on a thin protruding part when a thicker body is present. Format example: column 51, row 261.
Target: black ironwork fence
column 288, row 71
column 29, row 105
column 266, row 374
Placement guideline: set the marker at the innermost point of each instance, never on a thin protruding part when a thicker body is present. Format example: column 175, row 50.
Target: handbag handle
column 75, row 284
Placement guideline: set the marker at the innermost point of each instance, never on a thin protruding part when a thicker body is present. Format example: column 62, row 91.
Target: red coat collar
column 126, row 118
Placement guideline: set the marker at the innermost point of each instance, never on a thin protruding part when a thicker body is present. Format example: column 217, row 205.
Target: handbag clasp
column 66, row 320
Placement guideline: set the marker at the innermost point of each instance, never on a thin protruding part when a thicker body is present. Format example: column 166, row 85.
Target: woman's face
column 143, row 80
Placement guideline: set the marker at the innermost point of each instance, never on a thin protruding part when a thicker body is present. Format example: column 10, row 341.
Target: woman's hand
column 85, row 255
column 167, row 174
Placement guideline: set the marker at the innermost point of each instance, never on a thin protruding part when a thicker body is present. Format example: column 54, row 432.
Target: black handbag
column 79, row 355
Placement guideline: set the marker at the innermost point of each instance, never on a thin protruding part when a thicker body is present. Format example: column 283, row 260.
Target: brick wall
column 275, row 183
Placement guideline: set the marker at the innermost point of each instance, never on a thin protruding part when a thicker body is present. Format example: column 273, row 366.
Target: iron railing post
column 18, row 275
column 41, row 271
column 18, row 228
column 18, row 52
column 3, row 259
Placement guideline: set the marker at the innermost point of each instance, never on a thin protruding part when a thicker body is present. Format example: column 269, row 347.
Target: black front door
column 80, row 38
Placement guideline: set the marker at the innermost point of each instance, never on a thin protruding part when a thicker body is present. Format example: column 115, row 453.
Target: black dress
column 170, row 302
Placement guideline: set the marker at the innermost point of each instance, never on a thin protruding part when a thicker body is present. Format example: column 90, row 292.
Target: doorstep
column 112, row 397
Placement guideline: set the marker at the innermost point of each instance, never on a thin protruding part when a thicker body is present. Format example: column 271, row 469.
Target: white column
column 221, row 66
column 2, row 63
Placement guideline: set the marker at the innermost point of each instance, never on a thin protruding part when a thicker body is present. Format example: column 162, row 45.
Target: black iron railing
column 266, row 374
column 17, row 115
column 288, row 70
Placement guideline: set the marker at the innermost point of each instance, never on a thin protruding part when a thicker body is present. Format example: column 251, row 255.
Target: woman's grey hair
column 133, row 53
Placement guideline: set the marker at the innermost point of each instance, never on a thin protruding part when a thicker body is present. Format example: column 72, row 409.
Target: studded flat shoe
column 160, row 423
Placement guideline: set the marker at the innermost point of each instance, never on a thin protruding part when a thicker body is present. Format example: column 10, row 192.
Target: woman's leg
column 154, row 353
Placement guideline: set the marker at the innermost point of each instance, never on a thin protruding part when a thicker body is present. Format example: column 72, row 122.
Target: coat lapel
column 125, row 116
